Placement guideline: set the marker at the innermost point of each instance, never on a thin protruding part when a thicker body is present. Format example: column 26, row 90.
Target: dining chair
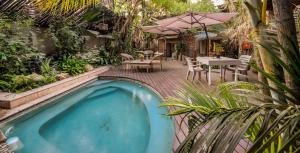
column 148, row 54
column 194, row 68
column 243, row 68
column 126, row 58
column 157, row 59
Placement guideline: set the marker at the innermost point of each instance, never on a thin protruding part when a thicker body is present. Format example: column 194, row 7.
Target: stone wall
column 42, row 42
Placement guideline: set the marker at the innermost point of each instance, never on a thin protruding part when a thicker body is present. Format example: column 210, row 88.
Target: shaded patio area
column 167, row 81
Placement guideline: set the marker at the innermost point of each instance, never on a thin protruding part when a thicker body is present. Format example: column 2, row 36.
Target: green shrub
column 101, row 57
column 46, row 68
column 67, row 37
column 72, row 65
column 21, row 83
column 17, row 56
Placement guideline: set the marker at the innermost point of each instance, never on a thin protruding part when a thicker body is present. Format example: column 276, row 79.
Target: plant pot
column 179, row 57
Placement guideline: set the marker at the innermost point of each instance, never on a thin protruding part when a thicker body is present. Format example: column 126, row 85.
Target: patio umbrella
column 177, row 24
column 195, row 20
column 161, row 30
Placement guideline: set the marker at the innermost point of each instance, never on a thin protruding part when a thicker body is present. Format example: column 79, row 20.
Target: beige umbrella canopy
column 186, row 21
column 161, row 30
column 178, row 24
column 195, row 20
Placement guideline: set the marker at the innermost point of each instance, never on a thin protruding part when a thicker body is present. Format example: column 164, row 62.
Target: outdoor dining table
column 141, row 63
column 147, row 53
column 222, row 61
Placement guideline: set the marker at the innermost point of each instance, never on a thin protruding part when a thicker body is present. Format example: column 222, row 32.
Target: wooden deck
column 166, row 82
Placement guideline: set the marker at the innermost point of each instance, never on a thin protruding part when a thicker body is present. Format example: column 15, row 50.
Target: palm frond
column 64, row 6
column 229, row 117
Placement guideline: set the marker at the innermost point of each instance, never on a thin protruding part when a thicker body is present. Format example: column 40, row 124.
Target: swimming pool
column 106, row 116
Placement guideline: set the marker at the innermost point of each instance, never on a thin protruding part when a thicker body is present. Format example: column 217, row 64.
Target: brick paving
column 166, row 82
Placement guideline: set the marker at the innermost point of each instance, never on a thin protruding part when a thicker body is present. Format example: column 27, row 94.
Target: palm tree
column 236, row 111
column 286, row 28
column 65, row 6
column 257, row 13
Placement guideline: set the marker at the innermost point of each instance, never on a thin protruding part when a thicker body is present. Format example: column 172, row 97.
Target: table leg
column 209, row 75
column 221, row 70
column 236, row 74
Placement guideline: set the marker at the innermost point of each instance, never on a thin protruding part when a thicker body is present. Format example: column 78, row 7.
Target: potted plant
column 180, row 48
column 218, row 49
column 141, row 57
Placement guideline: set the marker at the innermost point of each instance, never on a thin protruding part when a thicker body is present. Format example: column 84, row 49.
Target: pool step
column 101, row 91
column 101, row 83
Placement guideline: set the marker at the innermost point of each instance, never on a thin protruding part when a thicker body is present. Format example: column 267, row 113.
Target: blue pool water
column 103, row 117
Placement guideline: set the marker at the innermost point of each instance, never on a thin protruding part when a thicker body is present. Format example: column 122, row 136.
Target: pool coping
column 61, row 88
column 51, row 100
column 13, row 100
column 132, row 80
column 22, row 110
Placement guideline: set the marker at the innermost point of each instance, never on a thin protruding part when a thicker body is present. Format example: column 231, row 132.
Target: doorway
column 170, row 49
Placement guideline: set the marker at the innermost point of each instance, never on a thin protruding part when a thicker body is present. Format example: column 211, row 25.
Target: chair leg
column 224, row 74
column 194, row 74
column 187, row 75
column 124, row 67
column 199, row 73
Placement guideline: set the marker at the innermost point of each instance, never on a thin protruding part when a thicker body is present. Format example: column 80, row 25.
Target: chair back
column 245, row 60
column 148, row 52
column 189, row 63
column 157, row 56
column 126, row 57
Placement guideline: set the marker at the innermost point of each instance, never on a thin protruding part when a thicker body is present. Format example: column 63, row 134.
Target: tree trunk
column 286, row 28
column 267, row 62
column 261, row 78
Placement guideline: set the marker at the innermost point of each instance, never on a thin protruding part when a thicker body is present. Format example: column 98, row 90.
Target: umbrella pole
column 165, row 47
column 207, row 41
column 206, row 33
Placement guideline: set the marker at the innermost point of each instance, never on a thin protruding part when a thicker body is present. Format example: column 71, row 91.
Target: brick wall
column 161, row 45
column 187, row 39
column 190, row 42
